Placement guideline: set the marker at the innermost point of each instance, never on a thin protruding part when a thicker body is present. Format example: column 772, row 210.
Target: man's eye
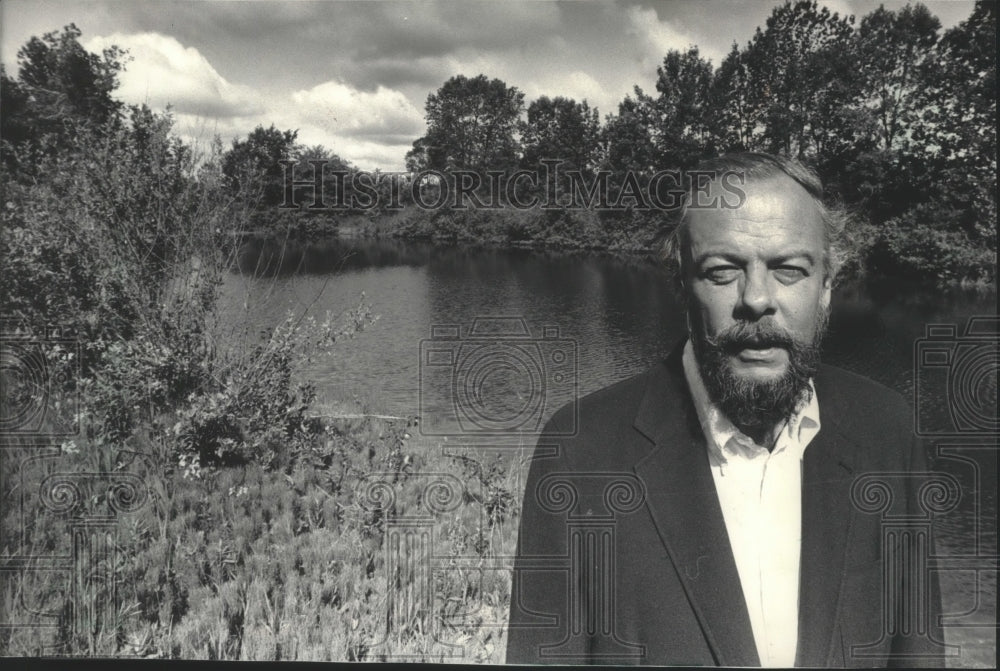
column 722, row 274
column 790, row 273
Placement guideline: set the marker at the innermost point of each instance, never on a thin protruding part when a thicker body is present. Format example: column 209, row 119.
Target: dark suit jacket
column 623, row 555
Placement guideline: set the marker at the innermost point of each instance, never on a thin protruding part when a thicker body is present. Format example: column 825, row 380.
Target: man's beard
column 757, row 407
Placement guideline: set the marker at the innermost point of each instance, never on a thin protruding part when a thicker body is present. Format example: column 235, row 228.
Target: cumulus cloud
column 162, row 71
column 367, row 153
column 371, row 129
column 654, row 38
column 843, row 8
column 343, row 110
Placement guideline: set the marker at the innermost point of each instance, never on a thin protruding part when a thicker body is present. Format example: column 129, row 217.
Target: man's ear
column 685, row 303
column 827, row 291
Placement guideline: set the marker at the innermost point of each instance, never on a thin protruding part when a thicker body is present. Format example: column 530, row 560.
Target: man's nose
column 757, row 298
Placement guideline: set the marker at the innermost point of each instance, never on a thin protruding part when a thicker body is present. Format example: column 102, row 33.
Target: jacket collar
column 683, row 504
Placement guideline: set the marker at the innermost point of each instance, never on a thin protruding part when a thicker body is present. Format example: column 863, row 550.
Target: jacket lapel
column 685, row 508
column 827, row 473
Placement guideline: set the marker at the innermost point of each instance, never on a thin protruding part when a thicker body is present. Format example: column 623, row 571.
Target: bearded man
column 717, row 510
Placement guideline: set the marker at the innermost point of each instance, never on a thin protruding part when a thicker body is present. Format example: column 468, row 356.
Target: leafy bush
column 251, row 408
column 927, row 244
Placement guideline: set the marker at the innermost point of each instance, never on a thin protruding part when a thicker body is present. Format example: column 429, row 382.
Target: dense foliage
column 898, row 119
column 470, row 126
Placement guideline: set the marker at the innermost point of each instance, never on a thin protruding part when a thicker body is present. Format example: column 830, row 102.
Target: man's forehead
column 777, row 200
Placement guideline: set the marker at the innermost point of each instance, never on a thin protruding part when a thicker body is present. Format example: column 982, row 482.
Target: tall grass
column 246, row 562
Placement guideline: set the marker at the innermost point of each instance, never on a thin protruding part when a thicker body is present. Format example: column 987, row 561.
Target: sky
column 354, row 76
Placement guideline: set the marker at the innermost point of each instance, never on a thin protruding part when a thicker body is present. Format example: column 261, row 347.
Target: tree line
column 896, row 117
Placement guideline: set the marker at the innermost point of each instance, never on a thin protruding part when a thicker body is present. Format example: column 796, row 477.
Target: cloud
column 367, row 155
column 843, row 8
column 367, row 145
column 384, row 152
column 426, row 72
column 342, row 110
column 372, row 129
column 654, row 38
column 162, row 71
column 437, row 29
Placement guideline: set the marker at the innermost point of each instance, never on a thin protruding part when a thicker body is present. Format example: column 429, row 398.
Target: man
column 718, row 510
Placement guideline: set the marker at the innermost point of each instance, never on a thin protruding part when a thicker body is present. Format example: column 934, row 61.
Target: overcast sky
column 354, row 76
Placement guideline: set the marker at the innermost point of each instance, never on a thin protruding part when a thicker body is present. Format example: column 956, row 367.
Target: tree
column 627, row 139
column 560, row 128
column 893, row 48
column 955, row 132
column 418, row 158
column 471, row 125
column 958, row 93
column 734, row 117
column 681, row 115
column 252, row 166
column 64, row 77
column 60, row 87
column 336, row 191
column 943, row 178
column 801, row 79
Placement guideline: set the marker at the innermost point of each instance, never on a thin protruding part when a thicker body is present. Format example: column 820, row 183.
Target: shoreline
column 647, row 254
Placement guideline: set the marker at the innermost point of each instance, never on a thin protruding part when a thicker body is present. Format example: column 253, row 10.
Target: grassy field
column 380, row 546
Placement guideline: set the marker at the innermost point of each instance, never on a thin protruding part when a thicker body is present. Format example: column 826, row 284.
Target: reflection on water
column 620, row 314
column 617, row 317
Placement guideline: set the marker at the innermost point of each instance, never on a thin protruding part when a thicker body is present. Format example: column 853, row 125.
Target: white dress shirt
column 761, row 497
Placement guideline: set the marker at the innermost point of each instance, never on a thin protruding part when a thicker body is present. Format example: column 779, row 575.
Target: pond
column 618, row 314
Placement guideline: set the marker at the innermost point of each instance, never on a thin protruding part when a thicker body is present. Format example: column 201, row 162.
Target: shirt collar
column 725, row 441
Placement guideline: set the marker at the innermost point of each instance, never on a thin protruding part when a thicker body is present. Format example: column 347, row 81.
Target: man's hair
column 838, row 248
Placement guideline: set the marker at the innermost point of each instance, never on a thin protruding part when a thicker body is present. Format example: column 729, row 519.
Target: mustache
column 748, row 403
column 745, row 334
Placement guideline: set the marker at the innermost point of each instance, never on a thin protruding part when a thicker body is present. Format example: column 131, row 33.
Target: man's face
column 757, row 296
